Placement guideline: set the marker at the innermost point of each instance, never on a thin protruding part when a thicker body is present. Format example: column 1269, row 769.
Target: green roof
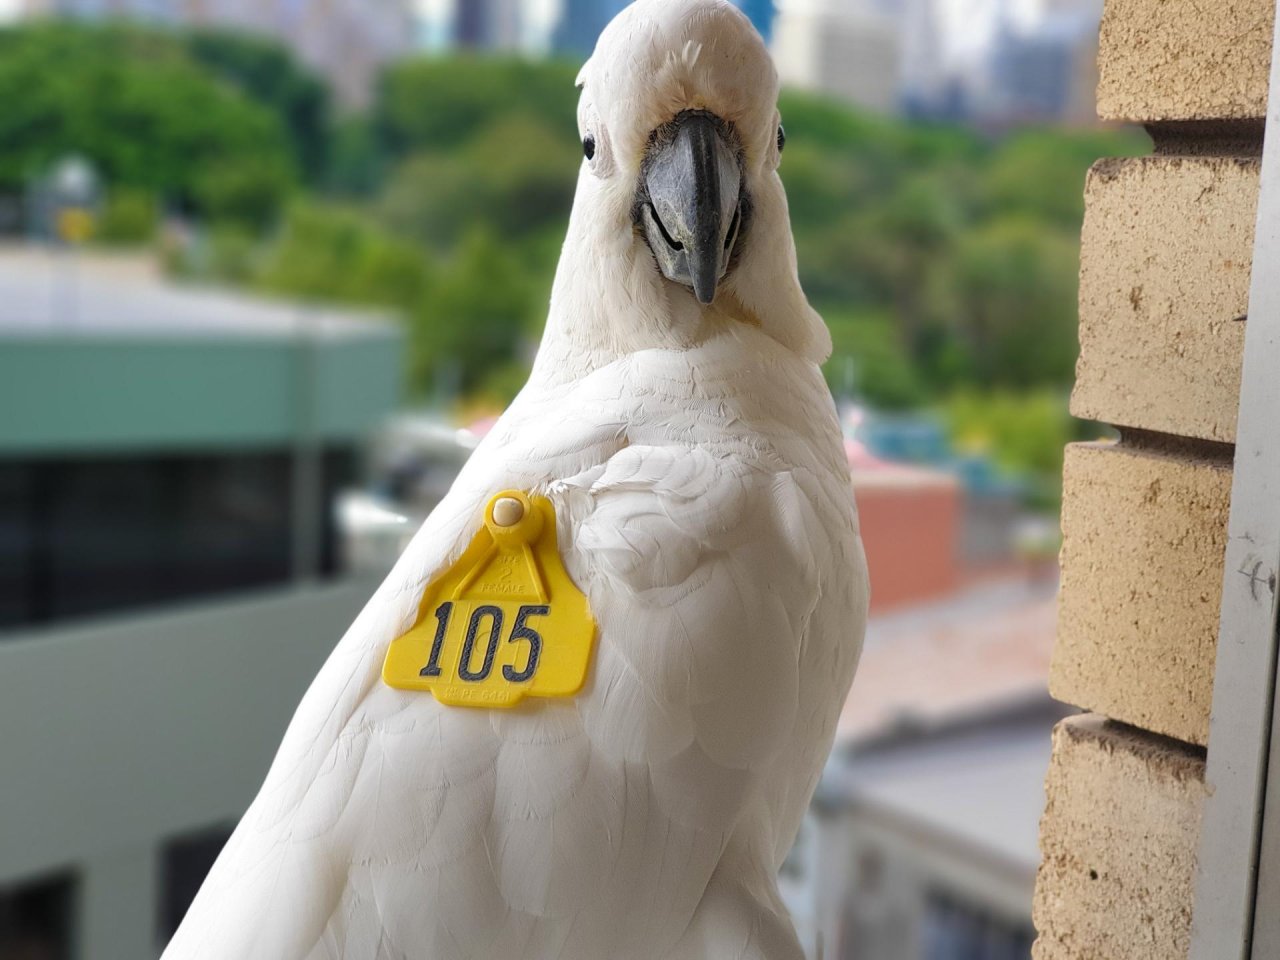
column 140, row 363
column 93, row 393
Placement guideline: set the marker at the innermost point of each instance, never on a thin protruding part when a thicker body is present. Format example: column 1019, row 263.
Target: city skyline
column 986, row 62
column 346, row 41
column 537, row 27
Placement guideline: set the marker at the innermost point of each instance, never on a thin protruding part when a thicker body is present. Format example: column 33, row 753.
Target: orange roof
column 927, row 665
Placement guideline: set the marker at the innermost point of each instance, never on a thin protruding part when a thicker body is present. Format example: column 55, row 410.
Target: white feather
column 697, row 471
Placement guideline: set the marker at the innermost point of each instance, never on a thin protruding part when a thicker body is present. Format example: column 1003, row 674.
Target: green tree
column 268, row 75
column 129, row 217
column 1015, row 284
column 941, row 258
column 478, row 318
column 144, row 113
column 440, row 196
column 870, row 363
column 327, row 252
column 357, row 161
column 1024, row 431
column 440, row 104
column 1041, row 173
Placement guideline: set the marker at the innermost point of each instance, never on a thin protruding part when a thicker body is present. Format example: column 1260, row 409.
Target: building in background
column 170, row 577
column 928, row 82
column 345, row 41
column 1049, row 70
column 989, row 62
column 921, row 841
column 489, row 24
column 911, row 522
column 538, row 27
column 847, row 49
column 992, row 63
column 581, row 21
column 934, row 517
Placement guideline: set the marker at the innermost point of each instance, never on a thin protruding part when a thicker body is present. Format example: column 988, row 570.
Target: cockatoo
column 678, row 424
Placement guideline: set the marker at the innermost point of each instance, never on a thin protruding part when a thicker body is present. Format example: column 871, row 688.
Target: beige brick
column 1119, row 839
column 1164, row 283
column 1144, row 534
column 1184, row 59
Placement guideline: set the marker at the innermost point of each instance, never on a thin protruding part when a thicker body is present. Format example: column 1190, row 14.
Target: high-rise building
column 500, row 26
column 847, row 49
column 1047, row 72
column 488, row 24
column 346, row 41
column 926, row 77
column 1000, row 62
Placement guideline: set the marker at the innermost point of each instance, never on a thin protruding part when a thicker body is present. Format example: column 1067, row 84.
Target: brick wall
column 1165, row 263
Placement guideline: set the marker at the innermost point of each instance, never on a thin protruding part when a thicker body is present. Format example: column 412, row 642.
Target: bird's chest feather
column 712, row 531
column 704, row 509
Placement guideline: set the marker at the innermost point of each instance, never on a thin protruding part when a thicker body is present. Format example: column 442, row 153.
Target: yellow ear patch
column 504, row 622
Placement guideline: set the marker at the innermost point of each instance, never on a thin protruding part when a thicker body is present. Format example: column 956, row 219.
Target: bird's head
column 679, row 204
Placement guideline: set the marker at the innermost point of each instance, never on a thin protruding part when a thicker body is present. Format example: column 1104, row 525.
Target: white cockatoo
column 678, row 423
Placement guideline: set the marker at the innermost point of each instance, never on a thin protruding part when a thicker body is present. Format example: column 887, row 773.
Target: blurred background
column 269, row 269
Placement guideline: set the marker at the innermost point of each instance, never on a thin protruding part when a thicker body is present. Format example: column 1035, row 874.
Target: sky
column 8, row 8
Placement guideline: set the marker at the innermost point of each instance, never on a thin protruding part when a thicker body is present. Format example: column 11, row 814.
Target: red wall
column 910, row 528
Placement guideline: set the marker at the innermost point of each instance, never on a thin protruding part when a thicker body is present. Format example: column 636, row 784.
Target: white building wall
column 99, row 781
column 848, row 50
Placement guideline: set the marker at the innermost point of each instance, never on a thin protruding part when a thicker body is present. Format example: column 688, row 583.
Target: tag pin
column 508, row 511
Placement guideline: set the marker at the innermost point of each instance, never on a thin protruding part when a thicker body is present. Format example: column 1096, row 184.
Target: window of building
column 954, row 930
column 92, row 535
column 184, row 864
column 338, row 472
column 36, row 920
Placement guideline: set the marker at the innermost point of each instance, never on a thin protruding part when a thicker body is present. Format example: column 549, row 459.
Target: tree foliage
column 970, row 245
column 266, row 73
column 441, row 104
column 514, row 178
column 145, row 114
column 943, row 260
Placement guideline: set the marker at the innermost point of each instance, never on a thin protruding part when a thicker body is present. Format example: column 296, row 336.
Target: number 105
column 520, row 631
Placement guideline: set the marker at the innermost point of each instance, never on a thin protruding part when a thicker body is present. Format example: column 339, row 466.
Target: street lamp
column 74, row 188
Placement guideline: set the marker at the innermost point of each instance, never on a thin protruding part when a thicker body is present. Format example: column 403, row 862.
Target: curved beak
column 692, row 214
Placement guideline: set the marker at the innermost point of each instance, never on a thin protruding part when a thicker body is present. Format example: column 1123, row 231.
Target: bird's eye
column 782, row 139
column 589, row 147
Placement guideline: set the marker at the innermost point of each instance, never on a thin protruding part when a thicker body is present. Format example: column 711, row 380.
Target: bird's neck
column 609, row 301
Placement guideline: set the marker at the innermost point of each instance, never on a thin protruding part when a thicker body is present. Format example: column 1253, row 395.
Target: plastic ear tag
column 504, row 622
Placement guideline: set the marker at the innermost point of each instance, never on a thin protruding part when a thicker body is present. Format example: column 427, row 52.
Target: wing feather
column 390, row 827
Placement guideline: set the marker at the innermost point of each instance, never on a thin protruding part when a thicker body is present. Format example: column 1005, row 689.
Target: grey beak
column 693, row 217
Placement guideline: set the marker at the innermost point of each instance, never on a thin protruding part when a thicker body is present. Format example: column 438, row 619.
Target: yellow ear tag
column 504, row 622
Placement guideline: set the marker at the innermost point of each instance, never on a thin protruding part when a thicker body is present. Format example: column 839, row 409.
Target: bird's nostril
column 672, row 242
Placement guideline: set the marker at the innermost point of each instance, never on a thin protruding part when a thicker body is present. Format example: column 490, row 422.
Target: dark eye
column 589, row 147
column 782, row 139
